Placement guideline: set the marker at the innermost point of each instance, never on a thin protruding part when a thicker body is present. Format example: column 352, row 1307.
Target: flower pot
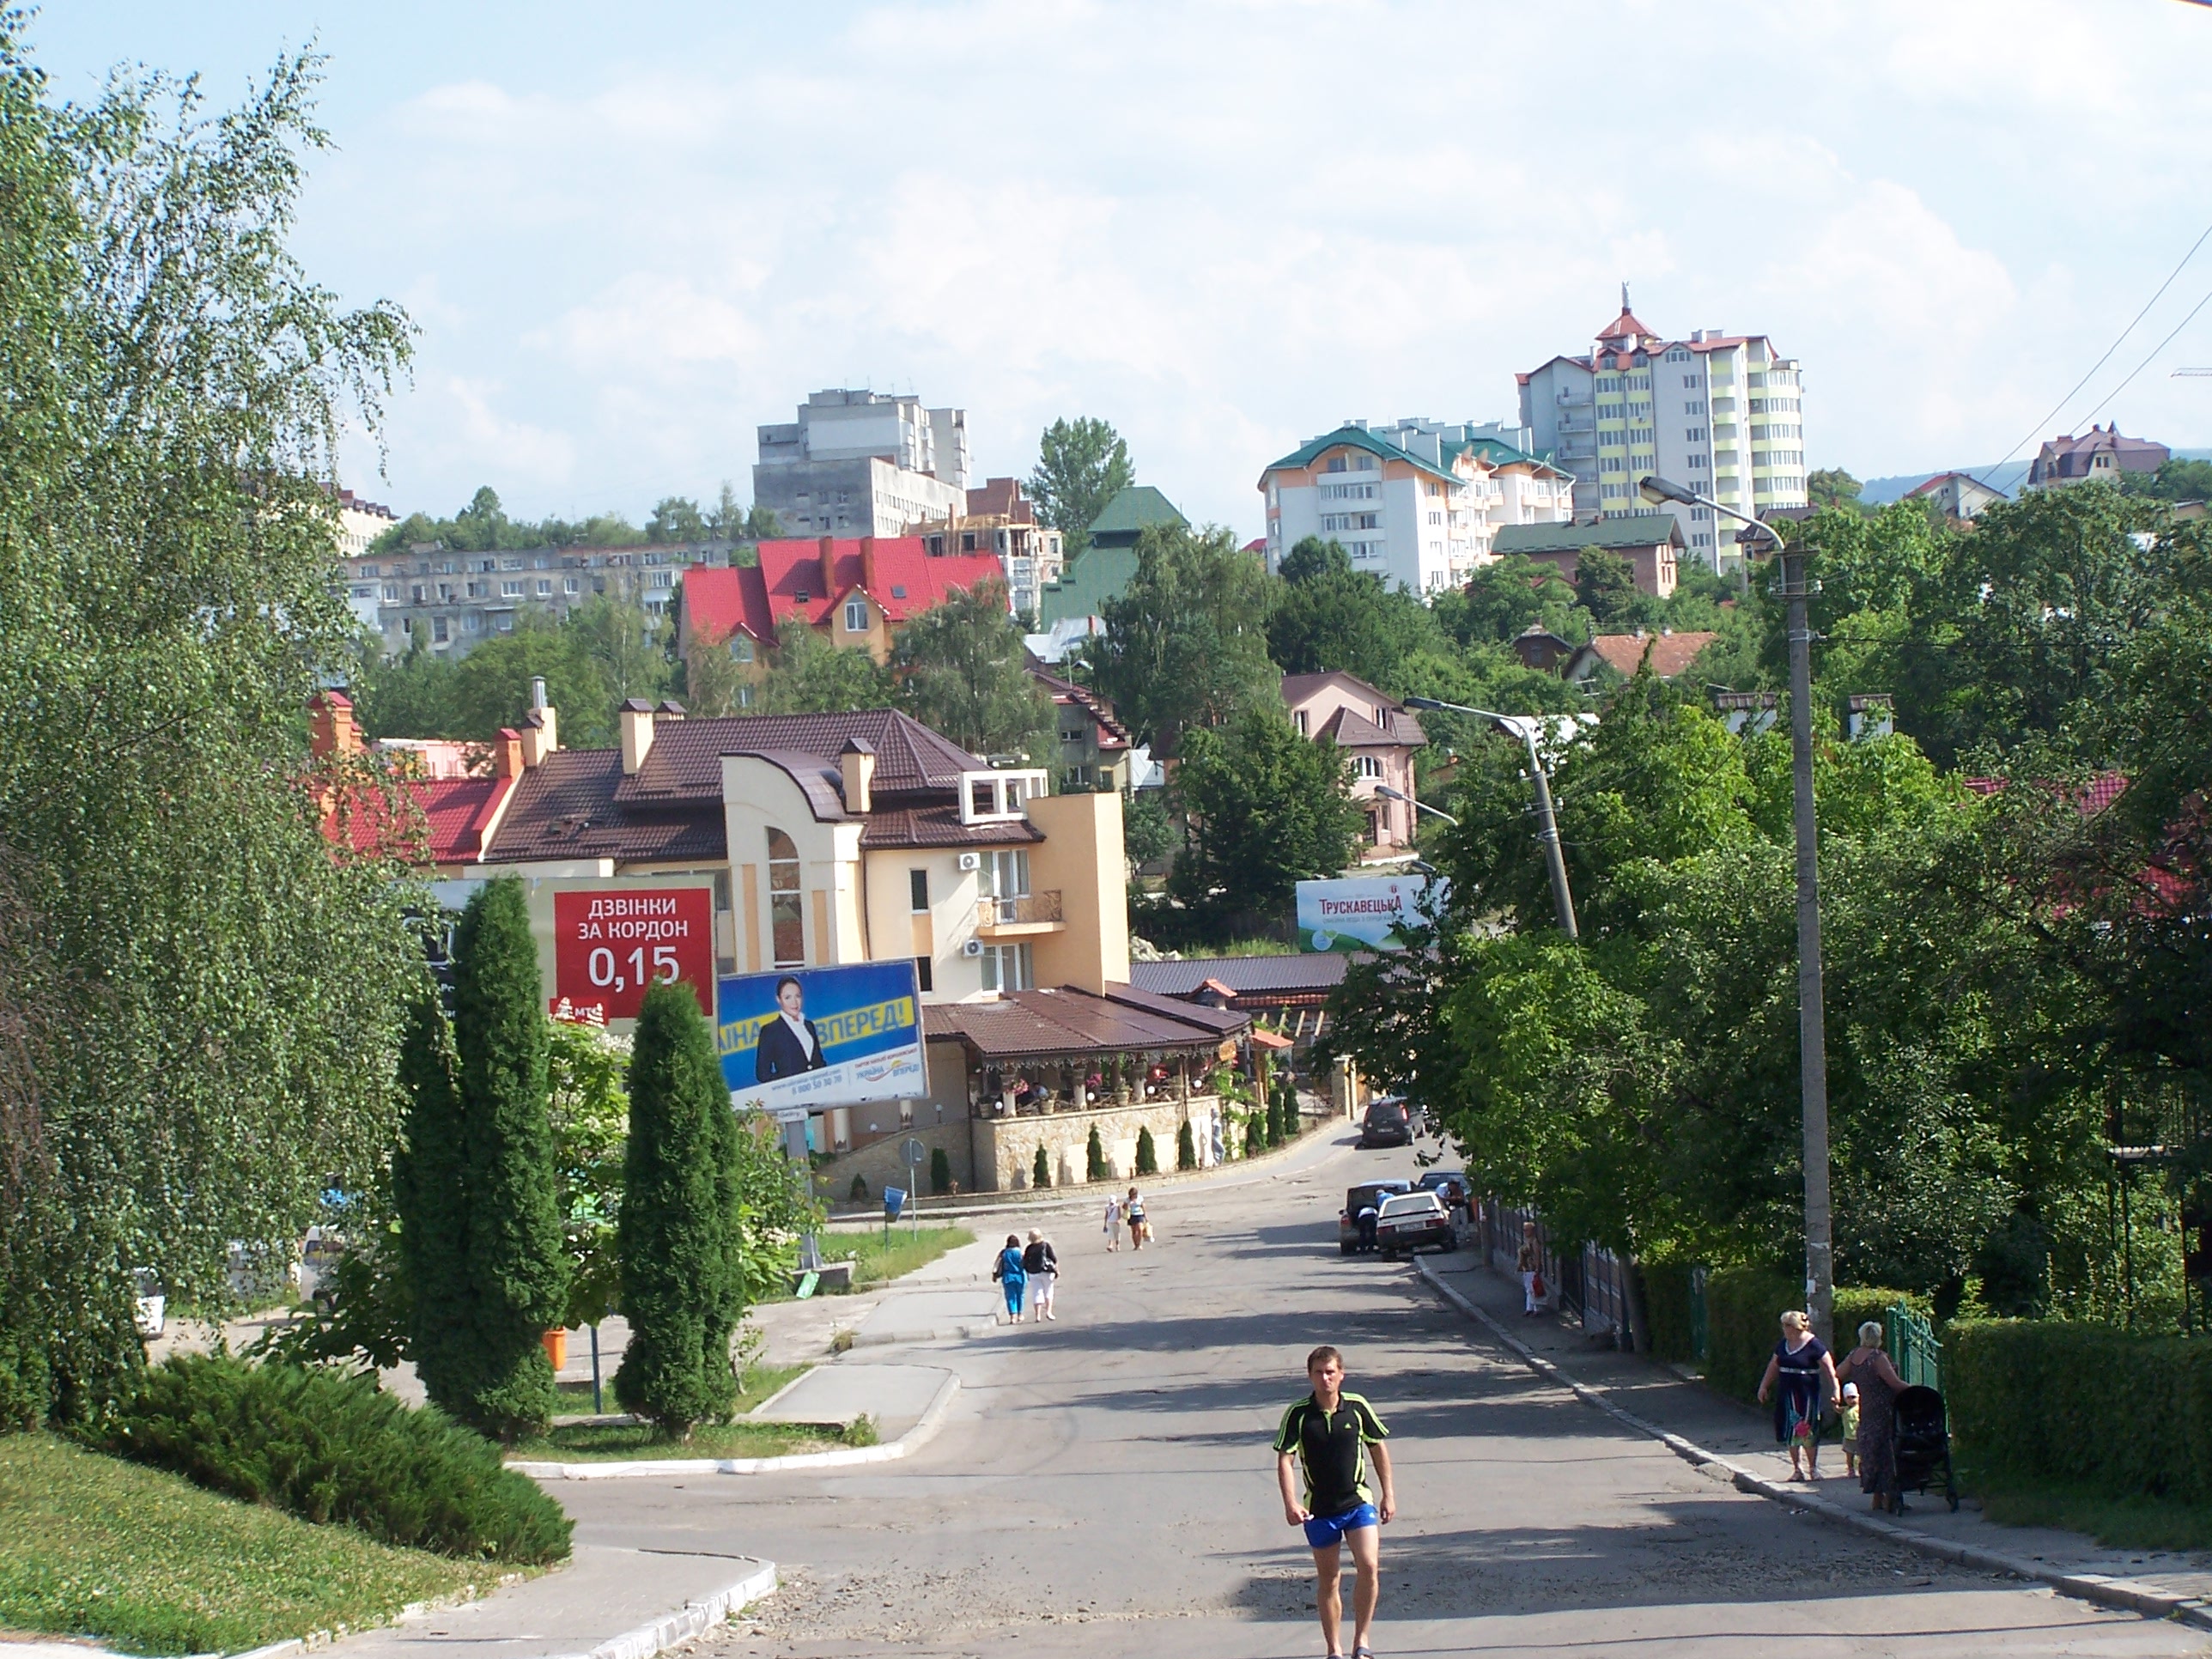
column 556, row 1347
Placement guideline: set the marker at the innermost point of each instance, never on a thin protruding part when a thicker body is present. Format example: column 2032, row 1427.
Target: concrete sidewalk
column 1743, row 1436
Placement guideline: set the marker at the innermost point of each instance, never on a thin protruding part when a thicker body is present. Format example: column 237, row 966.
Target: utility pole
column 1812, row 1017
column 1548, row 824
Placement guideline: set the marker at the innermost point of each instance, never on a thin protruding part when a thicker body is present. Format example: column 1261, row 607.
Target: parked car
column 150, row 1303
column 1414, row 1221
column 1353, row 1233
column 1387, row 1123
column 1449, row 1185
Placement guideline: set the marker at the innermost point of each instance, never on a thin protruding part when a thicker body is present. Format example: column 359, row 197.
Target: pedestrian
column 1848, row 1420
column 1530, row 1262
column 1141, row 1230
column 1112, row 1222
column 1012, row 1279
column 1808, row 1382
column 1328, row 1434
column 1869, row 1365
column 1041, row 1268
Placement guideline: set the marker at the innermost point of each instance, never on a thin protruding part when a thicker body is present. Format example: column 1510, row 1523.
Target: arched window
column 787, row 925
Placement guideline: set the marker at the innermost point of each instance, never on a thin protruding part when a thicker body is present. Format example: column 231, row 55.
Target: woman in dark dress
column 1806, row 1377
column 1878, row 1386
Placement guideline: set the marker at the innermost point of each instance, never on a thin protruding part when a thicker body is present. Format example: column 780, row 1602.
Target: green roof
column 1099, row 574
column 1358, row 437
column 1500, row 453
column 1131, row 510
column 1636, row 530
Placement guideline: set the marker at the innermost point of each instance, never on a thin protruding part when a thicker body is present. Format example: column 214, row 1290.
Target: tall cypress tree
column 518, row 1269
column 679, row 1233
column 428, row 1188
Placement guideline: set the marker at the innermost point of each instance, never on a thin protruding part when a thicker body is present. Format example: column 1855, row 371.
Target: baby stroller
column 1924, row 1443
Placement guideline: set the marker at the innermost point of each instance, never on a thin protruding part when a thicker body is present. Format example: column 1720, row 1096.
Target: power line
column 2112, row 348
column 2155, row 349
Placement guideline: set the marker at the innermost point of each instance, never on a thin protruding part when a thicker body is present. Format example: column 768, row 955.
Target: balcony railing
column 1028, row 908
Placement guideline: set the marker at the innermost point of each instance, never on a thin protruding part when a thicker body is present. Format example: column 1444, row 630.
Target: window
column 507, row 624
column 786, row 924
column 917, row 890
column 1009, row 967
column 418, row 593
column 511, row 564
column 856, row 615
column 1300, row 717
column 473, row 624
column 510, row 590
column 391, row 591
column 1366, row 766
column 801, row 596
column 898, row 590
column 924, row 981
column 967, row 540
column 1006, row 873
column 741, row 647
column 569, row 585
column 438, row 630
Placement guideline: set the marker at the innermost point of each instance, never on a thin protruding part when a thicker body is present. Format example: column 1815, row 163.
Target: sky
column 629, row 235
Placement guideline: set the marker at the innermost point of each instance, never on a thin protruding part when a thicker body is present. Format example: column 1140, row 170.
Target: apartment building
column 863, row 463
column 1723, row 413
column 1000, row 520
column 452, row 600
column 360, row 523
column 1418, row 503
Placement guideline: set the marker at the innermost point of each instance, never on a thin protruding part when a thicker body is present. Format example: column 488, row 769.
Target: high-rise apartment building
column 863, row 463
column 1721, row 413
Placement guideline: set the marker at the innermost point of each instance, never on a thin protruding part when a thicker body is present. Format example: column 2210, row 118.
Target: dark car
column 1449, row 1185
column 1355, row 1223
column 1388, row 1123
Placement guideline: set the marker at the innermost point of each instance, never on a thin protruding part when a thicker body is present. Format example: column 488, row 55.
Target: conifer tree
column 1041, row 1168
column 1094, row 1159
column 1148, row 1153
column 428, row 1190
column 681, row 1236
column 1186, row 1147
column 518, row 1268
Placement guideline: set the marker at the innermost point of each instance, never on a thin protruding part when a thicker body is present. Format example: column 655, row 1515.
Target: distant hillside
column 1880, row 492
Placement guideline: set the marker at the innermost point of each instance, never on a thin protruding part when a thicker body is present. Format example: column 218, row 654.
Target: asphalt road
column 1105, row 1487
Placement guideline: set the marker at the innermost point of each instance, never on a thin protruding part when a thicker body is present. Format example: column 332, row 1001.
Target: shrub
column 1186, row 1147
column 1094, row 1167
column 1255, row 1135
column 1667, row 1310
column 2050, row 1401
column 1148, row 1153
column 1743, row 1313
column 1041, row 1168
column 858, row 1191
column 328, row 1446
column 940, row 1170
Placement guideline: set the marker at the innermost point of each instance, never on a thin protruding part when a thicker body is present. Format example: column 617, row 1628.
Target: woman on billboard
column 788, row 1043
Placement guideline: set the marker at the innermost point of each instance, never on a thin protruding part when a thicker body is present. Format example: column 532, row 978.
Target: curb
column 924, row 1430
column 2123, row 1594
column 317, row 1640
column 695, row 1619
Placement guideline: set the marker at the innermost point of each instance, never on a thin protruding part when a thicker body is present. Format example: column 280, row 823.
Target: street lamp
column 1812, row 1023
column 1548, row 825
column 1388, row 793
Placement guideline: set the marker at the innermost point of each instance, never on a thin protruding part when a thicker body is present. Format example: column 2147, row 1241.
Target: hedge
column 1743, row 1319
column 2048, row 1400
column 328, row 1446
column 1667, row 1310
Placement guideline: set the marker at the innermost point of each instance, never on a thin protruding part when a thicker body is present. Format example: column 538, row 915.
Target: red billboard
column 609, row 944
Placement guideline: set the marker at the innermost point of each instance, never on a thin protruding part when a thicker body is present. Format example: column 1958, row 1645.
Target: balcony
column 1019, row 917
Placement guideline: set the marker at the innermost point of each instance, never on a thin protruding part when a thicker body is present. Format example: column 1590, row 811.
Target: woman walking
column 1041, row 1266
column 1878, row 1386
column 1012, row 1278
column 1112, row 1222
column 1807, row 1379
column 1530, row 1262
column 1140, row 1230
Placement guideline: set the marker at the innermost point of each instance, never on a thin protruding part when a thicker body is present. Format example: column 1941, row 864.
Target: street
column 1105, row 1486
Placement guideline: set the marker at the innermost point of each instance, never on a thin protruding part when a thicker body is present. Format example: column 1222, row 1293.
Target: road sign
column 913, row 1150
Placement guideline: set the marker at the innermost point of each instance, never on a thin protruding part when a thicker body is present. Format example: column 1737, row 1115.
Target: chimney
column 637, row 719
column 669, row 709
column 868, row 564
column 510, row 752
column 828, row 568
column 857, row 761
column 331, row 725
column 541, row 731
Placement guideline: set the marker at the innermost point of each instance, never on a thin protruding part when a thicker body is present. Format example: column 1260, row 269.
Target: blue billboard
column 809, row 1038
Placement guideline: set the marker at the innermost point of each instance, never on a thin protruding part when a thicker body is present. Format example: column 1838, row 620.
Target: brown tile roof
column 1112, row 734
column 939, row 825
column 1348, row 728
column 1253, row 977
column 1400, row 726
column 1671, row 652
column 565, row 809
column 1072, row 1023
column 685, row 762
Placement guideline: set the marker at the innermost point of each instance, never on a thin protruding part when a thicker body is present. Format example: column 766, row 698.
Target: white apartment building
column 1721, row 413
column 860, row 463
column 1418, row 503
column 359, row 523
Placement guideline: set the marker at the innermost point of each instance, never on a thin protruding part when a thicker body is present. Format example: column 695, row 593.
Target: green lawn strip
column 876, row 1258
column 148, row 1563
column 2133, row 1523
column 613, row 1442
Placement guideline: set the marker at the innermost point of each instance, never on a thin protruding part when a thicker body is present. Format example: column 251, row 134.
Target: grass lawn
column 146, row 1561
column 874, row 1259
column 2133, row 1523
column 622, row 1443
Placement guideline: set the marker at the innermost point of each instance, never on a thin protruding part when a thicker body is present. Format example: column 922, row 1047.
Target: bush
column 1667, row 1310
column 1255, row 1135
column 1148, row 1153
column 859, row 1190
column 1186, row 1147
column 328, row 1446
column 1094, row 1167
column 2053, row 1401
column 940, row 1171
column 1041, row 1168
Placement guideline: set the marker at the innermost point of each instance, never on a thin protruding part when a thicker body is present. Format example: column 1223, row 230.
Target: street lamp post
column 1388, row 793
column 1812, row 1022
column 1548, row 825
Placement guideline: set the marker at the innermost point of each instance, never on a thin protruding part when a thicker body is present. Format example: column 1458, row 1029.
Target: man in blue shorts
column 1328, row 1433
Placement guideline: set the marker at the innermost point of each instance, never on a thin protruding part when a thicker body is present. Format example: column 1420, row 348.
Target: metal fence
column 1588, row 1282
column 1701, row 1324
column 1913, row 1347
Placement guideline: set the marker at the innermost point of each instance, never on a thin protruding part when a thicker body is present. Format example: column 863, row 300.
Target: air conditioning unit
column 974, row 947
column 971, row 860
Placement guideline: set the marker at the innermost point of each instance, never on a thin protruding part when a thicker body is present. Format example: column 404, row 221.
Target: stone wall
column 1005, row 1148
column 880, row 1164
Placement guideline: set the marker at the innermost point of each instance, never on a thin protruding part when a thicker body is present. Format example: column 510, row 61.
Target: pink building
column 1380, row 735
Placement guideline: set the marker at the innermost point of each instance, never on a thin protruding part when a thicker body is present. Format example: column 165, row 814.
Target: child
column 1849, row 1417
column 1112, row 1222
column 1013, row 1276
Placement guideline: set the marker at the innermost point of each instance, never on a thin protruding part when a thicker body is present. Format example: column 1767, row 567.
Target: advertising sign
column 609, row 944
column 815, row 1037
column 1362, row 914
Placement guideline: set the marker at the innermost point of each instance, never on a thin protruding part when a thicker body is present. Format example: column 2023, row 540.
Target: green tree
column 590, row 1115
column 961, row 671
column 1831, row 486
column 405, row 697
column 1082, row 465
column 681, row 1242
column 1094, row 1167
column 628, row 648
column 1040, row 1169
column 714, row 682
column 1148, row 834
column 430, row 1192
column 676, row 519
column 1186, row 1147
column 1605, row 585
column 1148, row 1152
column 1267, row 810
column 2178, row 480
column 1508, row 596
column 811, row 676
column 491, row 684
column 1331, row 616
column 517, row 1266
column 1185, row 645
column 172, row 388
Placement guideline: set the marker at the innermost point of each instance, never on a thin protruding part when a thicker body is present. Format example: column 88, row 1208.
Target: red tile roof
column 1671, row 652
column 808, row 580
column 435, row 820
